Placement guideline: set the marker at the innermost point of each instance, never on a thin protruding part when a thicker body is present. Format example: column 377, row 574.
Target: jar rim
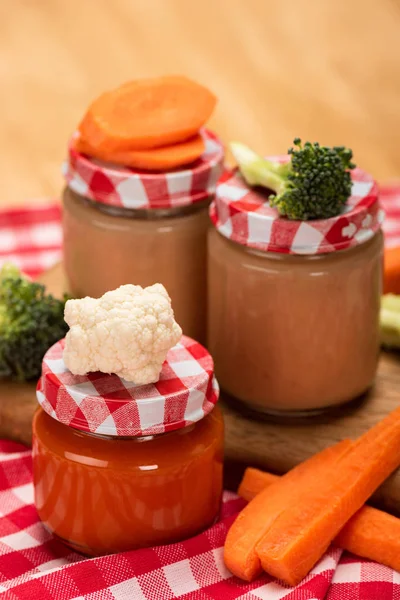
column 129, row 188
column 243, row 215
column 186, row 392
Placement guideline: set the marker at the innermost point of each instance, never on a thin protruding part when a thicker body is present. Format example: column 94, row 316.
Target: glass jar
column 294, row 308
column 102, row 492
column 121, row 226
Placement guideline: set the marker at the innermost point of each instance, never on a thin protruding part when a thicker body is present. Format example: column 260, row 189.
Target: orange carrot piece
column 147, row 114
column 254, row 481
column 391, row 279
column 320, row 508
column 370, row 533
column 373, row 534
column 159, row 159
column 259, row 515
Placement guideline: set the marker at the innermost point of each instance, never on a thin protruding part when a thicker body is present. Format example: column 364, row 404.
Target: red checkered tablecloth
column 34, row 566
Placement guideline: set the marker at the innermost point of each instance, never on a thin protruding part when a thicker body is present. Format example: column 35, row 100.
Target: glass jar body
column 105, row 247
column 102, row 495
column 294, row 333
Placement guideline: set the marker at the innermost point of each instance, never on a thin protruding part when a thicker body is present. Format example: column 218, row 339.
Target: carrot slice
column 159, row 159
column 370, row 533
column 259, row 515
column 319, row 508
column 391, row 280
column 147, row 114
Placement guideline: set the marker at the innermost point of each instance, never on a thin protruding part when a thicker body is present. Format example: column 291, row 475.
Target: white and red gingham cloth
column 34, row 566
column 105, row 404
column 128, row 188
column 241, row 214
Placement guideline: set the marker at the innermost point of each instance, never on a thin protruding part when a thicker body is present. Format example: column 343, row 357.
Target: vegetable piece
column 373, row 534
column 30, row 322
column 159, row 159
column 254, row 481
column 314, row 184
column 147, row 114
column 127, row 332
column 389, row 319
column 391, row 279
column 259, row 515
column 370, row 533
column 320, row 508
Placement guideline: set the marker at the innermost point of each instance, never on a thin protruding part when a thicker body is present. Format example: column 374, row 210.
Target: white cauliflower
column 127, row 332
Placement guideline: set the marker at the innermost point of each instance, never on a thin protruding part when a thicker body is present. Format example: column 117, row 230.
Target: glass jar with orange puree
column 294, row 305
column 119, row 466
column 122, row 226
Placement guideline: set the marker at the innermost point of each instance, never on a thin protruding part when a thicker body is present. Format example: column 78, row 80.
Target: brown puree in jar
column 105, row 247
column 294, row 305
column 294, row 333
column 123, row 225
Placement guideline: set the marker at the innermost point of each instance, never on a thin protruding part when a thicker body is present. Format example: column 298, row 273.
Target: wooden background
column 322, row 69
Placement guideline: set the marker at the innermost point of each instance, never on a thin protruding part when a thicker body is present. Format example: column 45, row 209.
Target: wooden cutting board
column 273, row 445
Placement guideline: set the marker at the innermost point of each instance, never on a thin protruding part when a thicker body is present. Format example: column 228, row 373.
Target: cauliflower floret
column 127, row 332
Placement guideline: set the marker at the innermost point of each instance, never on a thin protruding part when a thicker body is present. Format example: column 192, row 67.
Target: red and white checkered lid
column 128, row 188
column 244, row 215
column 106, row 404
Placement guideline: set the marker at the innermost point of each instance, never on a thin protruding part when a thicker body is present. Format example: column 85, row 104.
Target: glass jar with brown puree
column 124, row 226
column 294, row 306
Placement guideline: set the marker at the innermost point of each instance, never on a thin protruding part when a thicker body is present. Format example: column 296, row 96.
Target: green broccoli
column 390, row 321
column 314, row 184
column 30, row 322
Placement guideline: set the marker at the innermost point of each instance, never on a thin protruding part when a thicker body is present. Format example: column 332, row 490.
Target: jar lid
column 244, row 215
column 106, row 404
column 128, row 188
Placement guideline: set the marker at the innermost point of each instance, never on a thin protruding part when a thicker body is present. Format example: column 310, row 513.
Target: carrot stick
column 373, row 534
column 159, row 159
column 391, row 279
column 259, row 515
column 147, row 114
column 322, row 505
column 370, row 533
column 254, row 481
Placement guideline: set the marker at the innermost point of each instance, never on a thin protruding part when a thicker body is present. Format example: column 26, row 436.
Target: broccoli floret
column 30, row 322
column 314, row 184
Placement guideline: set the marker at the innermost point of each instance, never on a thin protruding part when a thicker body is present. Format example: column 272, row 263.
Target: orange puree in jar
column 102, row 495
column 155, row 478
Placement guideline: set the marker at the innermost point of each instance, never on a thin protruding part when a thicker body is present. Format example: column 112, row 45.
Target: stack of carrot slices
column 149, row 124
column 290, row 522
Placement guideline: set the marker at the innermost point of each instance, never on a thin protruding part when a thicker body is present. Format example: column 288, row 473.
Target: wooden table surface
column 322, row 69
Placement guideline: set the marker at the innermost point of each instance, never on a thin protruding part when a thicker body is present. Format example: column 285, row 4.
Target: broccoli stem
column 390, row 321
column 257, row 170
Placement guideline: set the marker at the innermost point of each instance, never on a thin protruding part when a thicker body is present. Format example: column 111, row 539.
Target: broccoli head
column 30, row 322
column 314, row 184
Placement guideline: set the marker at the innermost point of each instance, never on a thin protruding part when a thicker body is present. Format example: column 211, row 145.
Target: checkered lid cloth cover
column 127, row 188
column 106, row 404
column 244, row 215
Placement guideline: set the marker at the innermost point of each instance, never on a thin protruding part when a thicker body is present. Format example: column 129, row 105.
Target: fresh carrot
column 147, row 114
column 254, row 481
column 391, row 280
column 370, row 533
column 322, row 505
column 159, row 159
column 259, row 515
column 373, row 534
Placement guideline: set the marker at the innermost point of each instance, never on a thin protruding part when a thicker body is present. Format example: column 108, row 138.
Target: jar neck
column 280, row 256
column 147, row 214
column 136, row 438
